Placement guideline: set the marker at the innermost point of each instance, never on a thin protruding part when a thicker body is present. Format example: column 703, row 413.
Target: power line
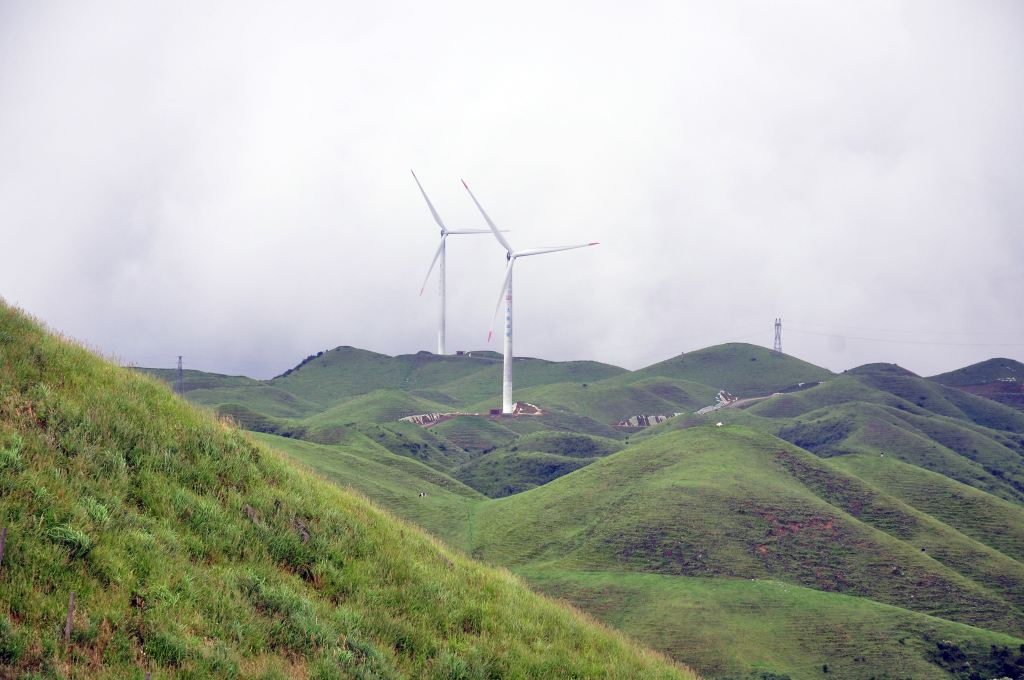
column 910, row 332
column 911, row 342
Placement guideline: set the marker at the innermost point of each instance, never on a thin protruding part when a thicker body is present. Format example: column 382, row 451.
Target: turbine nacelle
column 511, row 254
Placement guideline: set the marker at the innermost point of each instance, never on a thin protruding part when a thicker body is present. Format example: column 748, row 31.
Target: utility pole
column 778, row 336
column 180, row 386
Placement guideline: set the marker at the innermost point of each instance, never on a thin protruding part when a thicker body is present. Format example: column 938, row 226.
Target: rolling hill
column 739, row 368
column 703, row 508
column 1000, row 380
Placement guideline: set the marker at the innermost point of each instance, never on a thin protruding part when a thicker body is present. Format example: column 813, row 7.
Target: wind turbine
column 511, row 255
column 439, row 255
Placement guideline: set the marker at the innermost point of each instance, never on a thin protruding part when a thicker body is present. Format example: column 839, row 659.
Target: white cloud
column 229, row 181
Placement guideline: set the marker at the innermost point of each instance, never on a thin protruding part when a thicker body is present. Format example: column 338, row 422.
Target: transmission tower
column 179, row 386
column 778, row 336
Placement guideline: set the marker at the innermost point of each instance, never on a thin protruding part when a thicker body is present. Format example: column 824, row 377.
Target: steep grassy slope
column 732, row 502
column 739, row 368
column 261, row 398
column 198, row 553
column 214, row 389
column 392, row 481
column 199, row 380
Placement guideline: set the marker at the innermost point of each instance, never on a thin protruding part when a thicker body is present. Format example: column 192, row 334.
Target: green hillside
column 939, row 399
column 945, row 445
column 199, row 380
column 986, row 518
column 732, row 503
column 739, row 368
column 392, row 481
column 195, row 552
column 1001, row 380
column 990, row 370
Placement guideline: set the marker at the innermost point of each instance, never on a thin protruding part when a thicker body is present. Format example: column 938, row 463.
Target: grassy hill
column 732, row 503
column 939, row 399
column 1000, row 380
column 739, row 368
column 990, row 370
column 945, row 445
column 196, row 552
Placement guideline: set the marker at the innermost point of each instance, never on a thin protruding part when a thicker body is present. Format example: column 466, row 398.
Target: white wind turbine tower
column 439, row 255
column 511, row 254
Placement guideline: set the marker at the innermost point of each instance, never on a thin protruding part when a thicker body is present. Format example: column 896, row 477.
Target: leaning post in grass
column 3, row 542
column 71, row 618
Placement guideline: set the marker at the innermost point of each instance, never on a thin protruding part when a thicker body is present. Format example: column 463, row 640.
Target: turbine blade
column 437, row 254
column 437, row 218
column 472, row 231
column 501, row 295
column 555, row 249
column 494, row 229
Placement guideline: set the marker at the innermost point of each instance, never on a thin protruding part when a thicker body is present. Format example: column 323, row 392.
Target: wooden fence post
column 71, row 618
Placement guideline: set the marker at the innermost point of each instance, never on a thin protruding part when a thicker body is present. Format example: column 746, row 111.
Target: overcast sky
column 230, row 181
